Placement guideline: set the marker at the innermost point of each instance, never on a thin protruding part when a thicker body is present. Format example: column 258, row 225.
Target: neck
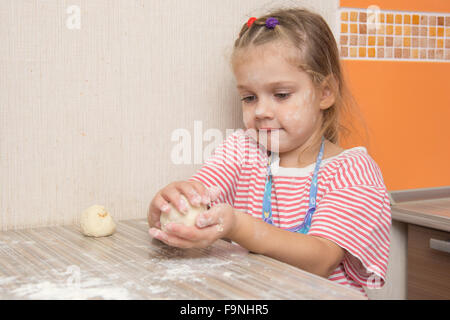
column 297, row 158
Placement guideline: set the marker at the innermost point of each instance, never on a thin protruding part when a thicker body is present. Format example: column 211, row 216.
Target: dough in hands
column 175, row 216
column 97, row 222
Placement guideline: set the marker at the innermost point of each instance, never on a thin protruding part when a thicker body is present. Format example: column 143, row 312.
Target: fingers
column 214, row 193
column 206, row 219
column 157, row 205
column 182, row 231
column 207, row 194
column 173, row 192
column 170, row 240
column 192, row 192
column 171, row 195
column 175, row 240
column 202, row 191
column 210, row 217
column 191, row 233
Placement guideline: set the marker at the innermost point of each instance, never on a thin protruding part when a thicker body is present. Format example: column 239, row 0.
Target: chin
column 275, row 148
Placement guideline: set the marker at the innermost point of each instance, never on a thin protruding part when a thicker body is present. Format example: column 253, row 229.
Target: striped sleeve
column 223, row 168
column 358, row 219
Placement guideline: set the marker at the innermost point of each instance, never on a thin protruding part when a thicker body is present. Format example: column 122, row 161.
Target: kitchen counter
column 424, row 207
column 61, row 263
column 426, row 213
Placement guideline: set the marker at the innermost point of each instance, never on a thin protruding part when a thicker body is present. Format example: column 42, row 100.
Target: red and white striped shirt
column 352, row 210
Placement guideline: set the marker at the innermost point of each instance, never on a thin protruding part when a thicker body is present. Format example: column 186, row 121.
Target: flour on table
column 88, row 289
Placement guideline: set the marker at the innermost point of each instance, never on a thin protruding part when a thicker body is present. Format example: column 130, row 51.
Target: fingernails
column 165, row 208
column 196, row 200
column 214, row 192
column 153, row 232
column 183, row 205
column 158, row 234
column 204, row 220
column 201, row 222
column 206, row 200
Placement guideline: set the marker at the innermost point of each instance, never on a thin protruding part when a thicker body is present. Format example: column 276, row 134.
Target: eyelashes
column 280, row 96
column 246, row 99
column 283, row 96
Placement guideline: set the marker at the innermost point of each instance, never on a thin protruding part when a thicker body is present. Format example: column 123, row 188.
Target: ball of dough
column 97, row 222
column 175, row 216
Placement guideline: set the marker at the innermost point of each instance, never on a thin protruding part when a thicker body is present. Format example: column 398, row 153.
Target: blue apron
column 267, row 205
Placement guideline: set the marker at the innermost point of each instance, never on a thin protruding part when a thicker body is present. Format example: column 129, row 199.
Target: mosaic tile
column 389, row 41
column 362, row 52
column 394, row 35
column 380, row 52
column 362, row 40
column 431, row 43
column 389, row 53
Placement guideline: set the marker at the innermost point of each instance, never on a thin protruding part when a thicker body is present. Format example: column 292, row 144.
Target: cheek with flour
column 302, row 115
column 247, row 117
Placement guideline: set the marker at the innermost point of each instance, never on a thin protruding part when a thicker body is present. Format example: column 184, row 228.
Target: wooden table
column 61, row 263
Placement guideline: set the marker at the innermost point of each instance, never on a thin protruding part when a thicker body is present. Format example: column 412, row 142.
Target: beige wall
column 86, row 116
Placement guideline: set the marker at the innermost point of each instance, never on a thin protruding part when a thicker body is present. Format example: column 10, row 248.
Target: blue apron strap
column 267, row 206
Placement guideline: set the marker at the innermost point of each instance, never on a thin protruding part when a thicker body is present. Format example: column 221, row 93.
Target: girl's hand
column 215, row 223
column 194, row 191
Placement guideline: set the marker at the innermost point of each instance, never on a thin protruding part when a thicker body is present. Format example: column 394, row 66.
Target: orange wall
column 407, row 107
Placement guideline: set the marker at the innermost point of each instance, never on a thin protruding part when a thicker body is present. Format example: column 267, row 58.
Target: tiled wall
column 394, row 35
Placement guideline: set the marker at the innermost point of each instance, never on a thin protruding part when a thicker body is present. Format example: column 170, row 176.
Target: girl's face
column 277, row 95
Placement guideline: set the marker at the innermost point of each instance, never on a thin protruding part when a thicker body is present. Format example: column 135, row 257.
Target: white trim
column 305, row 171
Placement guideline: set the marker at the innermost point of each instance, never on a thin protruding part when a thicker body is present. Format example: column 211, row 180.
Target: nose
column 264, row 109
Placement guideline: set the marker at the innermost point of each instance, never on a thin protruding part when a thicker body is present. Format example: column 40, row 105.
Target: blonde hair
column 318, row 55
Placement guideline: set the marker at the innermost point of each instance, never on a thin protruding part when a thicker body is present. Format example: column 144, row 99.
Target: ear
column 327, row 89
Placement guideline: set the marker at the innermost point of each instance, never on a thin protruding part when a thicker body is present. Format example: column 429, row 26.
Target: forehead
column 269, row 62
column 266, row 52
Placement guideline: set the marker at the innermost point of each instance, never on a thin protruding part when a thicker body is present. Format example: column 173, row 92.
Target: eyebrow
column 272, row 84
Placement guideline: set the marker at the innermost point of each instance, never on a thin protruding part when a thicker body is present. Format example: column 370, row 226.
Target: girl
column 297, row 196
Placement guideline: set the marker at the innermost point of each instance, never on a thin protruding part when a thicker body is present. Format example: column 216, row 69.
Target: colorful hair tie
column 271, row 22
column 250, row 21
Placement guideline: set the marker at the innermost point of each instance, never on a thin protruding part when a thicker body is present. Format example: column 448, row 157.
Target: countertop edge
column 421, row 219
